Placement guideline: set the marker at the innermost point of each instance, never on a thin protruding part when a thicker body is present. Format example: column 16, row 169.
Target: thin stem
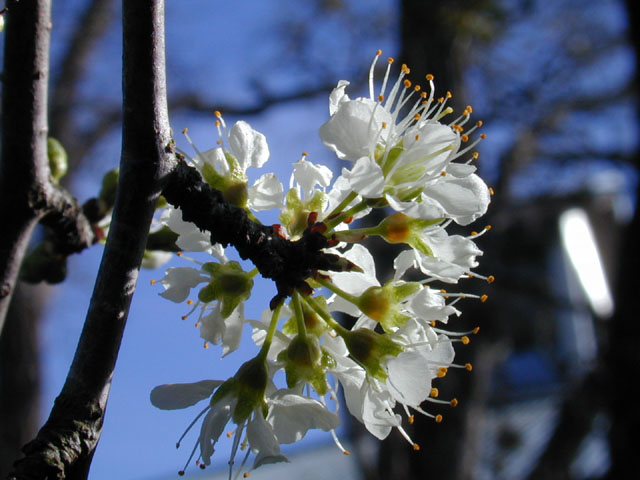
column 337, row 290
column 262, row 354
column 297, row 310
column 340, row 330
column 341, row 206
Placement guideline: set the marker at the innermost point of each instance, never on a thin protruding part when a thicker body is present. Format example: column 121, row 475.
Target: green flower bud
column 383, row 303
column 58, row 160
column 249, row 385
column 230, row 285
column 303, row 362
column 109, row 186
column 312, row 321
column 369, row 348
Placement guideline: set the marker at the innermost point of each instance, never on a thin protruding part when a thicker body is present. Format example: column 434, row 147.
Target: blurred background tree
column 553, row 82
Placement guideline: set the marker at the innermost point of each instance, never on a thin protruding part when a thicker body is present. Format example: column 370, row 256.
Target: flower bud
column 230, row 285
column 369, row 349
column 302, row 360
column 58, row 160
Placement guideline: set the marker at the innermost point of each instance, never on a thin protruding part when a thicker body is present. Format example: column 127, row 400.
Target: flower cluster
column 403, row 156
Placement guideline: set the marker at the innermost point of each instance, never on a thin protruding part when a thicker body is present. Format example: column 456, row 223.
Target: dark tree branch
column 286, row 262
column 65, row 444
column 24, row 170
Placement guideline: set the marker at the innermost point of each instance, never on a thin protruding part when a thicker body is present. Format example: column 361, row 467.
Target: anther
column 417, row 88
column 433, row 323
column 434, row 393
column 245, row 475
column 189, row 302
column 347, row 452
column 464, row 138
column 475, row 155
column 476, row 330
column 423, row 94
column 184, row 317
column 479, row 123
column 406, row 70
column 438, row 418
column 381, row 98
column 443, row 174
column 384, row 124
column 390, row 60
column 416, row 447
column 378, row 52
column 416, row 116
column 491, row 279
column 407, row 83
column 185, row 130
column 410, row 419
column 304, row 154
column 465, row 340
column 179, row 254
column 449, row 94
column 483, row 136
column 454, row 402
column 491, row 191
column 429, row 77
column 181, row 473
column 483, row 299
column 468, row 366
column 153, row 282
column 217, row 113
column 488, row 227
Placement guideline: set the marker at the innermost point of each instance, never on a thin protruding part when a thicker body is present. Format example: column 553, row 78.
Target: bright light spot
column 580, row 245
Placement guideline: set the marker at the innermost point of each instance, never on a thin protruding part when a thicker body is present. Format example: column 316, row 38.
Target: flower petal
column 174, row 396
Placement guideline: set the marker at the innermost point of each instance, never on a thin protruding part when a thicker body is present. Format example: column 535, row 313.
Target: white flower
column 178, row 282
column 408, row 159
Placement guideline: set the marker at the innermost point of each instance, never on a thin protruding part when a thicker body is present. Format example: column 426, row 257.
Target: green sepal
column 109, row 186
column 248, row 385
column 302, row 360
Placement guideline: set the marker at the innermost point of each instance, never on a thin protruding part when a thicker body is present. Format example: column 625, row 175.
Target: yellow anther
column 417, row 88
column 417, row 137
column 454, row 402
column 465, row 340
column 390, row 60
column 442, row 372
column 245, row 475
column 218, row 123
column 197, row 324
column 184, row 317
column 206, row 345
column 488, row 227
column 491, row 279
column 475, row 155
column 449, row 94
column 443, row 174
column 378, row 52
column 465, row 138
column 407, row 83
column 416, row 447
column 347, row 452
column 479, row 123
column 423, row 94
column 219, row 142
column 217, row 113
column 406, row 70
column 429, row 77
column 468, row 366
column 483, row 299
column 483, row 136
column 229, row 434
column 410, row 419
column 433, row 323
column 474, row 233
column 442, row 290
column 185, row 130
column 434, row 393
column 469, row 108
column 438, row 418
column 189, row 302
column 416, row 116
column 491, row 191
column 304, row 154
column 153, row 282
column 441, row 100
column 384, row 124
column 476, row 330
column 381, row 98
